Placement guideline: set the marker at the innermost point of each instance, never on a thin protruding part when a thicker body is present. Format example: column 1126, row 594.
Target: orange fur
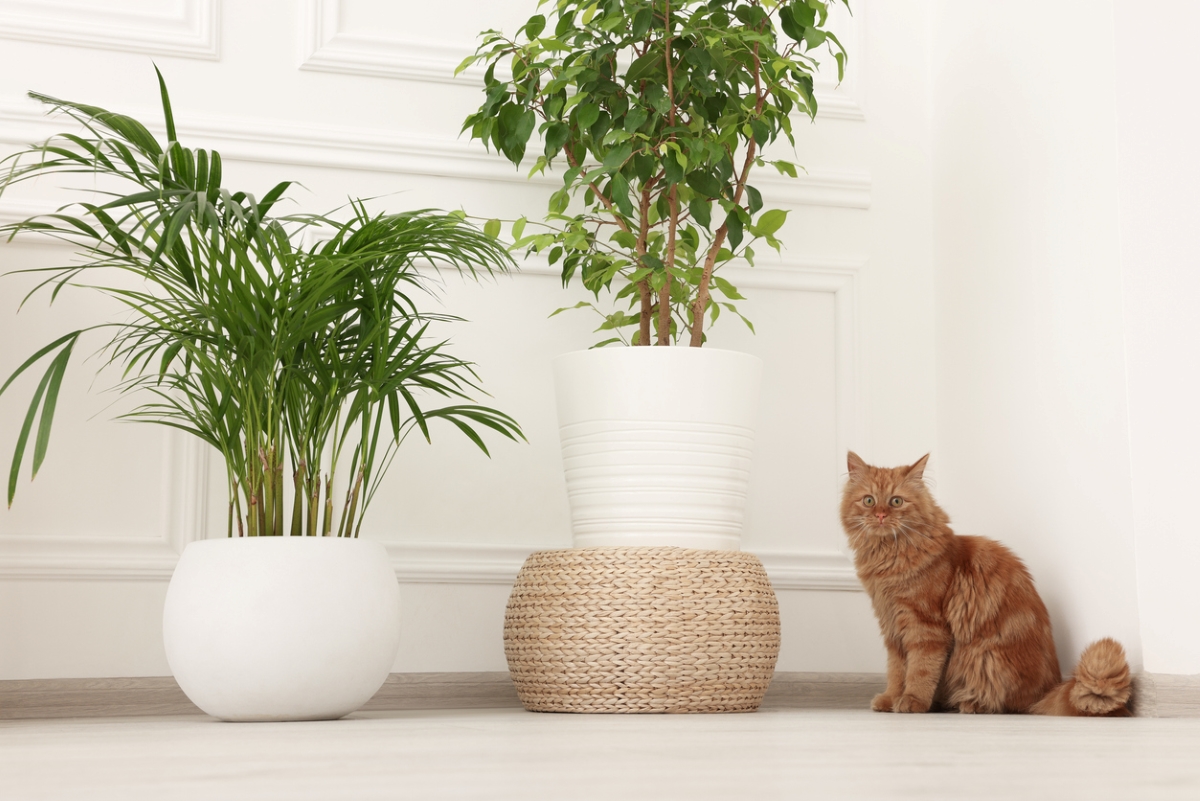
column 963, row 625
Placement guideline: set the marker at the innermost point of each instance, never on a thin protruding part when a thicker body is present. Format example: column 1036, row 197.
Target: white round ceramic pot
column 657, row 444
column 282, row 628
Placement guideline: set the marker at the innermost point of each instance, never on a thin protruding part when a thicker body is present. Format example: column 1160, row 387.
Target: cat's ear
column 854, row 463
column 918, row 470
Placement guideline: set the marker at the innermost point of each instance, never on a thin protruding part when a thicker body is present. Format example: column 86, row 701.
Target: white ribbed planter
column 657, row 444
column 282, row 628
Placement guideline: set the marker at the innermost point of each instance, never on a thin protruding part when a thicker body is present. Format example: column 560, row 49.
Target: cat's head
column 888, row 501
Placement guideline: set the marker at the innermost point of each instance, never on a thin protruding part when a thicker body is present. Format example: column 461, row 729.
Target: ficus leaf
column 803, row 12
column 586, row 115
column 619, row 190
column 641, row 22
column 535, row 26
column 672, row 169
column 557, row 134
column 761, row 132
column 705, row 184
column 770, row 222
column 754, row 198
column 790, row 25
column 617, row 157
column 645, row 67
column 733, row 224
column 814, row 38
column 701, row 210
column 559, row 201
column 625, row 239
column 635, row 118
column 466, row 62
column 727, row 289
column 583, row 304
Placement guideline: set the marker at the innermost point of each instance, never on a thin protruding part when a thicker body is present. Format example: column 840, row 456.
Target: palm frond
column 237, row 334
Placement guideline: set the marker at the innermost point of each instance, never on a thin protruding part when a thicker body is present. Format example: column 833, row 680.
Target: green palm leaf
column 318, row 358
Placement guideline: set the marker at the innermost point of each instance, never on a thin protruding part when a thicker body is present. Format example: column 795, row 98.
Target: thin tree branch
column 664, row 294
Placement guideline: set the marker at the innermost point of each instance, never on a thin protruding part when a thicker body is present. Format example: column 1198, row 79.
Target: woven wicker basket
column 641, row 630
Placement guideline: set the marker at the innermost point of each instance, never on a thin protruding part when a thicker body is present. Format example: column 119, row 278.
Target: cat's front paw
column 908, row 703
column 882, row 703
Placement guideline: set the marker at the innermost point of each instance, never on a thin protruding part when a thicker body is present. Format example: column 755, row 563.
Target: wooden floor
column 780, row 752
column 435, row 736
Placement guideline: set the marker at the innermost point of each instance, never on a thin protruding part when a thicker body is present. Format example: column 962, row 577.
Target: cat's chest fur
column 907, row 585
column 906, row 567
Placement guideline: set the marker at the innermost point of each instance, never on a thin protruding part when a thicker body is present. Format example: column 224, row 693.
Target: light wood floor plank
column 500, row 754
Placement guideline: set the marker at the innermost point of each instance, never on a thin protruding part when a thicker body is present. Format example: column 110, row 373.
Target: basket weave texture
column 641, row 630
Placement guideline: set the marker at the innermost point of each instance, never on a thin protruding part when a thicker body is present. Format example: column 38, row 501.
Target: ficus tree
column 658, row 111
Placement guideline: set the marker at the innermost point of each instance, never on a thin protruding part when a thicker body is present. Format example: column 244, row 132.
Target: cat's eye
column 868, row 501
column 895, row 502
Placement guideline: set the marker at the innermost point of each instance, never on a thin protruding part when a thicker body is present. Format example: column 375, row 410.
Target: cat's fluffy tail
column 1101, row 686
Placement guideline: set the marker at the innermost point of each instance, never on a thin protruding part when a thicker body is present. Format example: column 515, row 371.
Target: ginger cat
column 963, row 625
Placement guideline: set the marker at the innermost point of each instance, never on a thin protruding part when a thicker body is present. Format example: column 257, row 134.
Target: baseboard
column 1164, row 695
column 160, row 695
column 93, row 698
column 1155, row 695
column 797, row 690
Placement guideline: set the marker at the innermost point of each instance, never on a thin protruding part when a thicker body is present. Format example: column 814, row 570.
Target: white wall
column 1158, row 170
column 1033, row 422
column 992, row 257
column 352, row 98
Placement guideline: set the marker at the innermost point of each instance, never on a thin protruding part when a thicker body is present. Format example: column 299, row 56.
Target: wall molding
column 136, row 559
column 192, row 33
column 107, row 558
column 457, row 563
column 810, row 571
column 380, row 151
column 15, row 211
column 428, row 563
column 325, row 48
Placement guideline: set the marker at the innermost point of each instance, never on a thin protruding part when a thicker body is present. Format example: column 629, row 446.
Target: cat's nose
column 881, row 515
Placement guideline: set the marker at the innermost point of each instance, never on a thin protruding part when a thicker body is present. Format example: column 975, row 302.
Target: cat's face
column 885, row 501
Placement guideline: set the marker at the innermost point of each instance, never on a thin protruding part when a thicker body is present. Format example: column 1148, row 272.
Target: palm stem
column 325, row 530
column 314, row 507
column 298, row 501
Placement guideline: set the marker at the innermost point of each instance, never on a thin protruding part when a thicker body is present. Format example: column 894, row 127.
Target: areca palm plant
column 313, row 359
